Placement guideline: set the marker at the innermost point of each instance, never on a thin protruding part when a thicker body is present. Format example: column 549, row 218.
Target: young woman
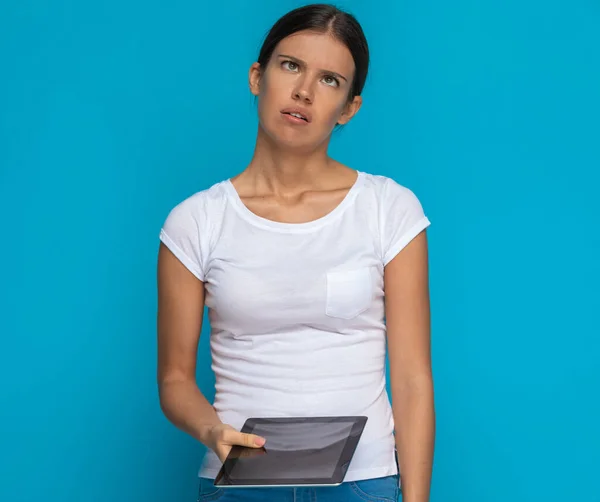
column 308, row 269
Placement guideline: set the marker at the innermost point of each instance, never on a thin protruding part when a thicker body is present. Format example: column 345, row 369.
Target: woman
column 292, row 257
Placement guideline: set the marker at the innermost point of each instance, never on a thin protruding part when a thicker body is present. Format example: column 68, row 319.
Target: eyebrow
column 303, row 63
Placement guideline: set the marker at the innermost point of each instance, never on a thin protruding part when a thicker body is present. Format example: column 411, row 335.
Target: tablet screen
column 297, row 451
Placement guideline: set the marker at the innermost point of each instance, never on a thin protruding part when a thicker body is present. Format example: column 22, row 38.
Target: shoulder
column 390, row 192
column 201, row 206
column 400, row 214
column 189, row 228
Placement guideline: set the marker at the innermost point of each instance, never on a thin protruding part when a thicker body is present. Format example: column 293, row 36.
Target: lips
column 298, row 113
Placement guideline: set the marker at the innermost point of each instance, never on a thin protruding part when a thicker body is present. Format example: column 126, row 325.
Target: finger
column 250, row 440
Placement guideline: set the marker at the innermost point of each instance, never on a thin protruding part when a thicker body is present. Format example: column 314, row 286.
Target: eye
column 290, row 65
column 331, row 80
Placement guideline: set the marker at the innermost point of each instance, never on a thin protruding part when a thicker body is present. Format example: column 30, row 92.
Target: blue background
column 112, row 112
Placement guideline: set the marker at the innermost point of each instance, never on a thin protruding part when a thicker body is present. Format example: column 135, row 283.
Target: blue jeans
column 384, row 489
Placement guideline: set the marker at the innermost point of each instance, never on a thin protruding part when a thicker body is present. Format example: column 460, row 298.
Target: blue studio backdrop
column 113, row 112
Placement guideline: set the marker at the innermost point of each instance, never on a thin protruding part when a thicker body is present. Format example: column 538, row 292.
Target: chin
column 290, row 139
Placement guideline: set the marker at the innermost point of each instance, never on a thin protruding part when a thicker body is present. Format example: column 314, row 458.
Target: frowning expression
column 304, row 91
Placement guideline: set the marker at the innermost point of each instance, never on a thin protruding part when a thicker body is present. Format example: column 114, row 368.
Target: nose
column 303, row 92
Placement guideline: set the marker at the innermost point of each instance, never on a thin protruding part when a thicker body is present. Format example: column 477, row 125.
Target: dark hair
column 323, row 18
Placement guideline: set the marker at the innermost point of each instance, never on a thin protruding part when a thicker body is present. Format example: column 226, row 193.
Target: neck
column 283, row 170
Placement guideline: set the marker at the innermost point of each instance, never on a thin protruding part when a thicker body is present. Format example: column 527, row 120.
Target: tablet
column 299, row 451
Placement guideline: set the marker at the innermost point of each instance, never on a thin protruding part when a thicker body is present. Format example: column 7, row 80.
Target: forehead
column 319, row 50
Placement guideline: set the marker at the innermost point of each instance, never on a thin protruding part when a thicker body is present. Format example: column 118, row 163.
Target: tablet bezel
column 358, row 424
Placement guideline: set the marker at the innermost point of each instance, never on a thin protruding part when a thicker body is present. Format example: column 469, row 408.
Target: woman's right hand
column 222, row 437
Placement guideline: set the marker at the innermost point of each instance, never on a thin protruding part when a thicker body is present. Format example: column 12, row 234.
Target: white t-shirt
column 297, row 309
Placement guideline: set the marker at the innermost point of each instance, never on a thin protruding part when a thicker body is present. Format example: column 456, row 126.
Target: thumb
column 252, row 440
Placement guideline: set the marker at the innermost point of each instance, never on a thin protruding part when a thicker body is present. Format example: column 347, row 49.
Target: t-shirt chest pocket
column 349, row 292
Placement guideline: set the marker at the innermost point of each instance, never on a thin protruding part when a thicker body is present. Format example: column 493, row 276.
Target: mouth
column 296, row 115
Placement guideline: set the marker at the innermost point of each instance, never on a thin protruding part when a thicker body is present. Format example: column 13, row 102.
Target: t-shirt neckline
column 308, row 226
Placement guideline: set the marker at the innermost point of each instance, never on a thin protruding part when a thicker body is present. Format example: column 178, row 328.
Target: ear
column 254, row 78
column 350, row 110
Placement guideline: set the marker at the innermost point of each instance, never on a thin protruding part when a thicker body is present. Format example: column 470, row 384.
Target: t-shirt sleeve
column 184, row 232
column 402, row 218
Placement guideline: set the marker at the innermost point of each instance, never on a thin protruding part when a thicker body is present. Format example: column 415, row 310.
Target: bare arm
column 179, row 322
column 180, row 312
column 408, row 323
